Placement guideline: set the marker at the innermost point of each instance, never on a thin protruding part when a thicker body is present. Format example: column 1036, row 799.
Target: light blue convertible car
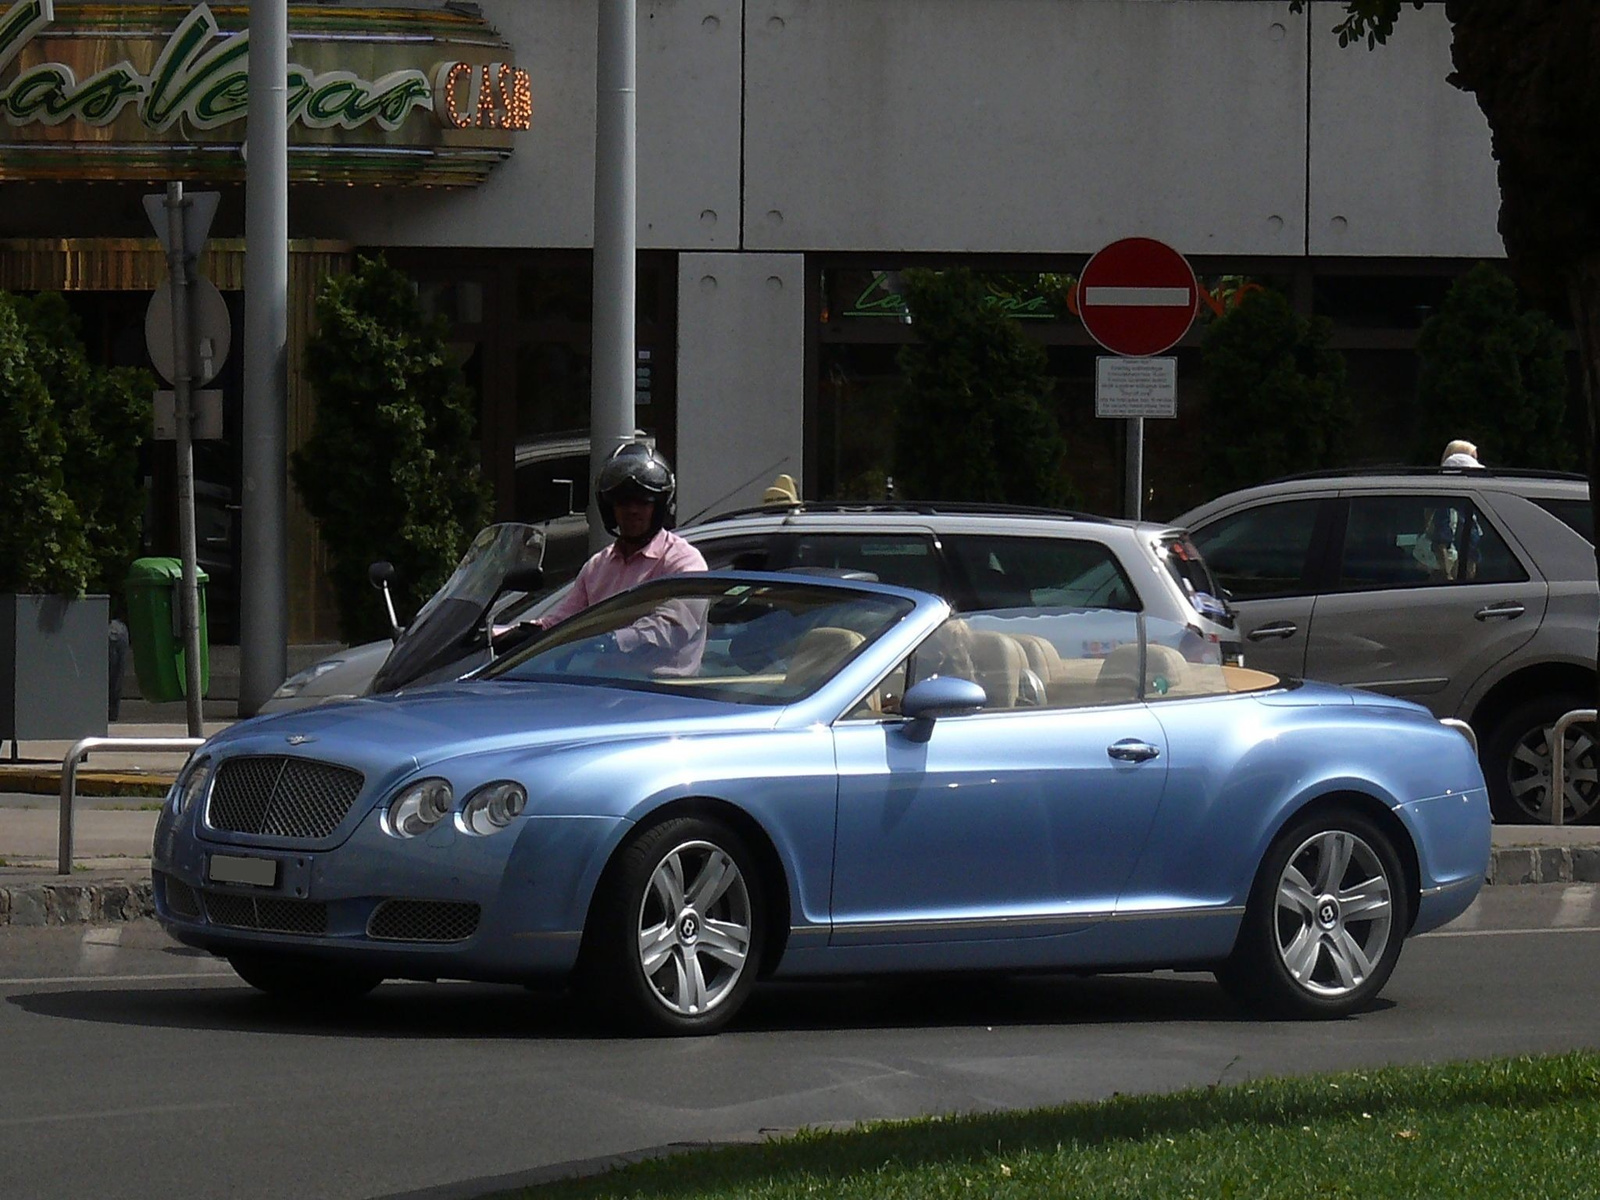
column 718, row 778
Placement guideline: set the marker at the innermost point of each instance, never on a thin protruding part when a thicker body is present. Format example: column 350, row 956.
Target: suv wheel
column 1517, row 764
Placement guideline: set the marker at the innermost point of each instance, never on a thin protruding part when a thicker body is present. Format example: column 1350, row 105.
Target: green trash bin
column 155, row 627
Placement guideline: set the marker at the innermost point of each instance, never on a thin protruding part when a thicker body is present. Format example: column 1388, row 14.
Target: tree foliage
column 1276, row 398
column 390, row 470
column 72, row 501
column 972, row 422
column 1495, row 374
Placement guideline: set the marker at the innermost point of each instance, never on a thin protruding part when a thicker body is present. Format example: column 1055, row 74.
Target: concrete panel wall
column 1024, row 125
column 741, row 377
column 688, row 103
column 1400, row 160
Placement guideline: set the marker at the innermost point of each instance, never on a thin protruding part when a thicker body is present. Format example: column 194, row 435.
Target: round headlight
column 191, row 786
column 420, row 807
column 493, row 807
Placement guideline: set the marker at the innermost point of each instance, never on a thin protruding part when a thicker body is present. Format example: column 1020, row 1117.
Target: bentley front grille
column 278, row 796
column 423, row 921
column 270, row 914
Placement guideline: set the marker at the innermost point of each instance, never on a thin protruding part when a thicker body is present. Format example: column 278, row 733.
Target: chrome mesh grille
column 272, row 914
column 282, row 797
column 180, row 898
column 423, row 921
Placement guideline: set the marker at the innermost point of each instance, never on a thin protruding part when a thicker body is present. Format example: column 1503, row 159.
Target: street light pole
column 264, row 591
column 612, row 370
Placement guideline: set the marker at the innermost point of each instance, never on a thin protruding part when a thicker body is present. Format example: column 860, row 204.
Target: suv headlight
column 298, row 682
column 420, row 807
column 492, row 807
column 191, row 786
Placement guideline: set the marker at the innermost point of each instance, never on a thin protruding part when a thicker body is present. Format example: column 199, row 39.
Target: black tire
column 1331, row 980
column 613, row 970
column 302, row 980
column 1516, row 763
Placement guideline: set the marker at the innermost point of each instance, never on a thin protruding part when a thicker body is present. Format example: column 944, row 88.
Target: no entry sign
column 1138, row 297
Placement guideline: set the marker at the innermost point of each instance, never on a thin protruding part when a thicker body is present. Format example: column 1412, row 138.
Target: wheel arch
column 774, row 878
column 1540, row 679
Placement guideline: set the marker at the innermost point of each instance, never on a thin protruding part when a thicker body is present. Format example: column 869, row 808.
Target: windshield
column 725, row 639
column 451, row 623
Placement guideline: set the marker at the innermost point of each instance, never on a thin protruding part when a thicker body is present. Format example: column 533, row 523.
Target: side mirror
column 943, row 696
column 380, row 575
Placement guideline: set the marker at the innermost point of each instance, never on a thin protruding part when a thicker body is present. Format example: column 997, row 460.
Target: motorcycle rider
column 636, row 493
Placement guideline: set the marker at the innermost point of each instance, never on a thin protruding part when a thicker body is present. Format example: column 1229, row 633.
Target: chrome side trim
column 1064, row 921
column 1463, row 729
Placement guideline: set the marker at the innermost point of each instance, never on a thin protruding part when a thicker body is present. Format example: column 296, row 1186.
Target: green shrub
column 104, row 417
column 1495, row 374
column 389, row 471
column 1276, row 398
column 972, row 422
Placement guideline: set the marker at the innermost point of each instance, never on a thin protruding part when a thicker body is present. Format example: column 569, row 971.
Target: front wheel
column 674, row 939
column 1325, row 921
column 302, row 980
column 1517, row 764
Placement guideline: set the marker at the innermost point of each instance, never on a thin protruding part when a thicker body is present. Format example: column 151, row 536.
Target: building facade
column 794, row 156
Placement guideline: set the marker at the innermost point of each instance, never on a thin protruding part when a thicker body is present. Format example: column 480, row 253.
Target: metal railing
column 1463, row 729
column 1558, row 761
column 69, row 778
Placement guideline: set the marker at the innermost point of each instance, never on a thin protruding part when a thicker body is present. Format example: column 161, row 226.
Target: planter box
column 53, row 667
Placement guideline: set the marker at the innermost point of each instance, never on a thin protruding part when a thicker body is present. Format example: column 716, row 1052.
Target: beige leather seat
column 1043, row 657
column 1119, row 674
column 818, row 655
column 998, row 663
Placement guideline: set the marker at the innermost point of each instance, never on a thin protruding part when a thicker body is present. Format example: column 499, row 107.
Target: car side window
column 905, row 560
column 754, row 552
column 1422, row 541
column 1261, row 551
column 1018, row 572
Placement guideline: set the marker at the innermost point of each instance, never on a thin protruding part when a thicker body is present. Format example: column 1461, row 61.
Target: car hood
column 429, row 724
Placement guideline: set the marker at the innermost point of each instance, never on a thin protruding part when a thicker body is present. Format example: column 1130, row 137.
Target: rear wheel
column 302, row 980
column 674, row 939
column 1517, row 764
column 1325, row 921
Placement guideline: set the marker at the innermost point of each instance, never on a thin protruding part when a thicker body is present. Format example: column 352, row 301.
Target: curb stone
column 64, row 902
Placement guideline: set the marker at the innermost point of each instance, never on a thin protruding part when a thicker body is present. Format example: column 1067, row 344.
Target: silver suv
column 976, row 557
column 1470, row 591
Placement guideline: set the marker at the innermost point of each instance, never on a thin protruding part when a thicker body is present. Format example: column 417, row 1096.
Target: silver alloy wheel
column 1334, row 913
column 694, row 928
column 1529, row 768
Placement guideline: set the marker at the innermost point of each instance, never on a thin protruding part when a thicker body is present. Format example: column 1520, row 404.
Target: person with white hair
column 1460, row 453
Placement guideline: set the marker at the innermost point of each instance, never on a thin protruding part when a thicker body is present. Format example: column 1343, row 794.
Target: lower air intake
column 423, row 921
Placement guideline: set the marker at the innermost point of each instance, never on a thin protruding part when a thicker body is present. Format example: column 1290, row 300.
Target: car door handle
column 1132, row 750
column 1510, row 609
column 1278, row 629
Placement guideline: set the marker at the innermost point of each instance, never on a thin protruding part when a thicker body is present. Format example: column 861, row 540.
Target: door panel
column 1001, row 824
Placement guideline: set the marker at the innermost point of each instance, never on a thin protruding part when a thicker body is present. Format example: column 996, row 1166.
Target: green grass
column 1523, row 1129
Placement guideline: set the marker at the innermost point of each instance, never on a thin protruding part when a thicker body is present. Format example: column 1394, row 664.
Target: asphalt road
column 132, row 1067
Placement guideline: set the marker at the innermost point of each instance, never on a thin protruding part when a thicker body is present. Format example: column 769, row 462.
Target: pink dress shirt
column 608, row 572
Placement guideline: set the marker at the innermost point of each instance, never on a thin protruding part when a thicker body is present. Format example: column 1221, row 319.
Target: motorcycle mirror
column 380, row 573
column 523, row 579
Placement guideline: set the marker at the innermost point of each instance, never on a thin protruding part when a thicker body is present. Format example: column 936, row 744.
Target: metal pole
column 1133, row 484
column 611, row 420
column 183, row 397
column 69, row 779
column 264, row 590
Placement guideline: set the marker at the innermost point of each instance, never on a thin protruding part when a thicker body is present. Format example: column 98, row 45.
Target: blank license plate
column 258, row 872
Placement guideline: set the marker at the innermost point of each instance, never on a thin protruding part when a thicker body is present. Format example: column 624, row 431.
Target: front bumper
column 507, row 907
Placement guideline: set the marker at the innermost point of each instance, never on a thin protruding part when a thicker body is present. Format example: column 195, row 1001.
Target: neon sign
column 200, row 78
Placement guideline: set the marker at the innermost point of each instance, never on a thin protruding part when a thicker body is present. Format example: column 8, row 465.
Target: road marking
column 219, row 973
column 141, row 1111
column 1576, row 904
column 1463, row 933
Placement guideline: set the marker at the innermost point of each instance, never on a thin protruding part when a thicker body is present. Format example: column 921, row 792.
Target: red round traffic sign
column 1138, row 297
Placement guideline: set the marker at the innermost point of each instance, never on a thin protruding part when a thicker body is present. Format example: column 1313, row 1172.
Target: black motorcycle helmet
column 637, row 469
